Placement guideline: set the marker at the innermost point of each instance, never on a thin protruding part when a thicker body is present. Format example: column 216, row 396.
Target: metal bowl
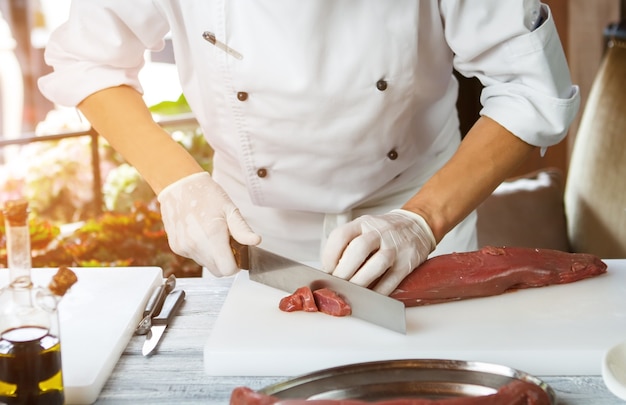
column 395, row 379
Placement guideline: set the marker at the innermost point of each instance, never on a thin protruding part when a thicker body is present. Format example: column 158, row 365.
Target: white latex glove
column 199, row 218
column 389, row 245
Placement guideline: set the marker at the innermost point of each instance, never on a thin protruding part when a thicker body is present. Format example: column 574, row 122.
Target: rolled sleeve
column 538, row 119
column 527, row 84
column 101, row 45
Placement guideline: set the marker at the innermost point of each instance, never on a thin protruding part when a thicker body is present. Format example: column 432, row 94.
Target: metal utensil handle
column 154, row 305
column 170, row 307
column 151, row 305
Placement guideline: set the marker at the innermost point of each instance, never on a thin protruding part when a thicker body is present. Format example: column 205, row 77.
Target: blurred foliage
column 179, row 106
column 56, row 178
column 136, row 238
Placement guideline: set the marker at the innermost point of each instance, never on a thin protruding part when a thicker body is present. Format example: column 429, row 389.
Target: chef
column 333, row 122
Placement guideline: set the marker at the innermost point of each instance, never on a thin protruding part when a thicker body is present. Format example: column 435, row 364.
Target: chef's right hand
column 199, row 218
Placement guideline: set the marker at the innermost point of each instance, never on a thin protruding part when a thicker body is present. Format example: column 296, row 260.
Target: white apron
column 301, row 235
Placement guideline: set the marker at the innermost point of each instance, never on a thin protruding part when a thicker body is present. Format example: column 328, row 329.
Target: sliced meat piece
column 291, row 303
column 248, row 396
column 331, row 303
column 301, row 300
column 324, row 300
column 516, row 392
column 492, row 271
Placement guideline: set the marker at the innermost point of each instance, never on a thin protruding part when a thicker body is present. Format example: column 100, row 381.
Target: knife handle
column 170, row 307
column 241, row 254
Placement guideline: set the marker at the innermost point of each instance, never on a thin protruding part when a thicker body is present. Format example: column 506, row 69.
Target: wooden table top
column 175, row 373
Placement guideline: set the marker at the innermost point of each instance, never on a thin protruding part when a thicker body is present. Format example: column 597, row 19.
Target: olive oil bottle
column 30, row 367
column 30, row 346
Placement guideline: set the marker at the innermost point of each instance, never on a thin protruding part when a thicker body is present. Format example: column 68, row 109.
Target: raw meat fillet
column 329, row 302
column 492, row 271
column 516, row 392
column 301, row 300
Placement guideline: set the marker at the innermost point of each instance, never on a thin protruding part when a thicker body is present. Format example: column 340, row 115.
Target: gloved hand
column 199, row 217
column 389, row 245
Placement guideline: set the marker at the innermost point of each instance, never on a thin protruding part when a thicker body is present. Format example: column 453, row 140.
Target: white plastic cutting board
column 555, row 330
column 97, row 316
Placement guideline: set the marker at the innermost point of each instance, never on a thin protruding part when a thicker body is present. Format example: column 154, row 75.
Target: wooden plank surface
column 175, row 374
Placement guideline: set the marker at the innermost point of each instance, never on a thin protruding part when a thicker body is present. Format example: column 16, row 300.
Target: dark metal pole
column 98, row 197
column 617, row 30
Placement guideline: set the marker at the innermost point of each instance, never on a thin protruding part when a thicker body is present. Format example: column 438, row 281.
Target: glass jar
column 30, row 347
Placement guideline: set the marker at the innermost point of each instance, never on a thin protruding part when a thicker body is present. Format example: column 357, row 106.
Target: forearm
column 121, row 116
column 487, row 156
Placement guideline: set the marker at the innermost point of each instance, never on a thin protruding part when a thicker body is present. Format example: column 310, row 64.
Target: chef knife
column 288, row 275
column 159, row 322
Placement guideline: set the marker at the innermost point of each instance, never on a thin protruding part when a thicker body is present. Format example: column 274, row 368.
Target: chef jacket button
column 242, row 96
column 381, row 85
column 262, row 172
column 392, row 154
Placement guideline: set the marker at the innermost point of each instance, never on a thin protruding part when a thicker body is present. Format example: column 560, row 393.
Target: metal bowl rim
column 399, row 364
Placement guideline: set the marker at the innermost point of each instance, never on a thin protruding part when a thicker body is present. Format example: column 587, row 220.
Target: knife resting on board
column 160, row 322
column 288, row 275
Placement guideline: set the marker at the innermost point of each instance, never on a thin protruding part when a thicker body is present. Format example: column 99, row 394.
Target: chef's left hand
column 389, row 245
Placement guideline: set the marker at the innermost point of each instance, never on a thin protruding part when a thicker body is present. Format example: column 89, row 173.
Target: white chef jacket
column 321, row 110
column 7, row 42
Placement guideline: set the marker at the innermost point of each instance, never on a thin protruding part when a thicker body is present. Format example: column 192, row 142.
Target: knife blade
column 159, row 322
column 288, row 275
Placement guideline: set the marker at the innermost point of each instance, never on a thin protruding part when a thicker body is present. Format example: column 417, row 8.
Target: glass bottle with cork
column 30, row 347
